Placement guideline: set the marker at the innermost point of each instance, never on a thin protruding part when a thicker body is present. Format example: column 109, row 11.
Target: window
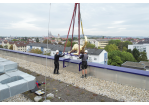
column 95, row 58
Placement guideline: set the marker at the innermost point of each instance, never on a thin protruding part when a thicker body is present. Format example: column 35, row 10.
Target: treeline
column 118, row 53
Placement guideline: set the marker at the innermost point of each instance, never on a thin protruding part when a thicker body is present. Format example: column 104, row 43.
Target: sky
column 106, row 19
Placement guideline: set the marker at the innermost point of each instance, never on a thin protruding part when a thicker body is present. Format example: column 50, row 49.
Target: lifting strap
column 81, row 24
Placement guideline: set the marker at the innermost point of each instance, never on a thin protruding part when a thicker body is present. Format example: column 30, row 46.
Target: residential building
column 58, row 39
column 141, row 48
column 97, row 42
column 103, row 42
column 0, row 42
column 134, row 65
column 92, row 41
column 20, row 46
column 9, row 43
column 4, row 43
column 142, row 65
column 95, row 55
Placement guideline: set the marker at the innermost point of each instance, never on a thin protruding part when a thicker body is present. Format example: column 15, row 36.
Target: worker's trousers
column 56, row 64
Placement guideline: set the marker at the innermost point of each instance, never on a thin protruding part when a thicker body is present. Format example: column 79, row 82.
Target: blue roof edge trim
column 109, row 67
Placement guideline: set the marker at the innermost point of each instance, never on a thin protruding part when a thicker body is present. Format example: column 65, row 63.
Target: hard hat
column 57, row 51
column 86, row 51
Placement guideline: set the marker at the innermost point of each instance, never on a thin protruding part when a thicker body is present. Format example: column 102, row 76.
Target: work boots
column 82, row 76
column 85, row 75
column 58, row 72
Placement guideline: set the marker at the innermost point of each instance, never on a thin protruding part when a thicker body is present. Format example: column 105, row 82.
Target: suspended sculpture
column 76, row 47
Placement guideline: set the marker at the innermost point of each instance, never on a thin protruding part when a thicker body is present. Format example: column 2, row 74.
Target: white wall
column 101, row 56
column 140, row 47
column 130, row 47
column 27, row 48
column 92, row 58
column 35, row 47
column 147, row 51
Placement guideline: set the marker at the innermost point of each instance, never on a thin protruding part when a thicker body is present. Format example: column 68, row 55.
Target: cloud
column 98, row 18
column 110, row 27
column 118, row 22
column 122, row 28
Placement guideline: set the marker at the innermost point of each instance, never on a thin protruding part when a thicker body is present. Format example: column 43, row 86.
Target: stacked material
column 13, row 81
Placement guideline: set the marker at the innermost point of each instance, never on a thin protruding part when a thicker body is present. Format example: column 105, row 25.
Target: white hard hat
column 86, row 51
column 57, row 51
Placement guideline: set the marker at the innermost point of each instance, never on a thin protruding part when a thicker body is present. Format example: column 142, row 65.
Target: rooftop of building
column 61, row 48
column 145, row 63
column 136, row 65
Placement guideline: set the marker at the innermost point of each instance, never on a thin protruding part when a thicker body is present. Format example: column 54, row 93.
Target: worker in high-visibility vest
column 84, row 58
column 56, row 62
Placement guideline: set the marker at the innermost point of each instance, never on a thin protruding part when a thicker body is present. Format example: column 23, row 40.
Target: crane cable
column 47, row 49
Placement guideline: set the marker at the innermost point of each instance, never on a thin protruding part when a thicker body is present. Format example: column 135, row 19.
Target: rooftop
column 61, row 48
column 145, row 63
column 93, row 84
column 135, row 65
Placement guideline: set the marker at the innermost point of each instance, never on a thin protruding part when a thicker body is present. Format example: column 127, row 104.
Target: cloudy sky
column 108, row 19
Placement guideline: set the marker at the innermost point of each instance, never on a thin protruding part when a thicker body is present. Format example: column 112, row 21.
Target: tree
column 120, row 44
column 25, row 38
column 142, row 56
column 75, row 38
column 37, row 51
column 116, row 42
column 60, row 43
column 89, row 45
column 6, row 47
column 15, row 40
column 135, row 53
column 37, row 40
column 116, row 57
column 129, row 50
column 99, row 48
column 47, row 54
column 11, row 47
column 124, row 49
column 126, row 56
column 45, row 41
column 126, row 43
column 116, row 61
column 73, row 43
column 1, row 46
column 68, row 44
column 111, row 47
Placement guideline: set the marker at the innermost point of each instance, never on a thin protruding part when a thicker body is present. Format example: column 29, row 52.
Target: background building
column 140, row 48
column 20, row 46
column 95, row 55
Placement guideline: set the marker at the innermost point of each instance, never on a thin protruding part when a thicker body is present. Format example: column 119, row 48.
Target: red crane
column 73, row 20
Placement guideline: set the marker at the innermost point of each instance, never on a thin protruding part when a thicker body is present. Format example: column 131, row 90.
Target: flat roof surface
column 133, row 64
column 146, row 63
